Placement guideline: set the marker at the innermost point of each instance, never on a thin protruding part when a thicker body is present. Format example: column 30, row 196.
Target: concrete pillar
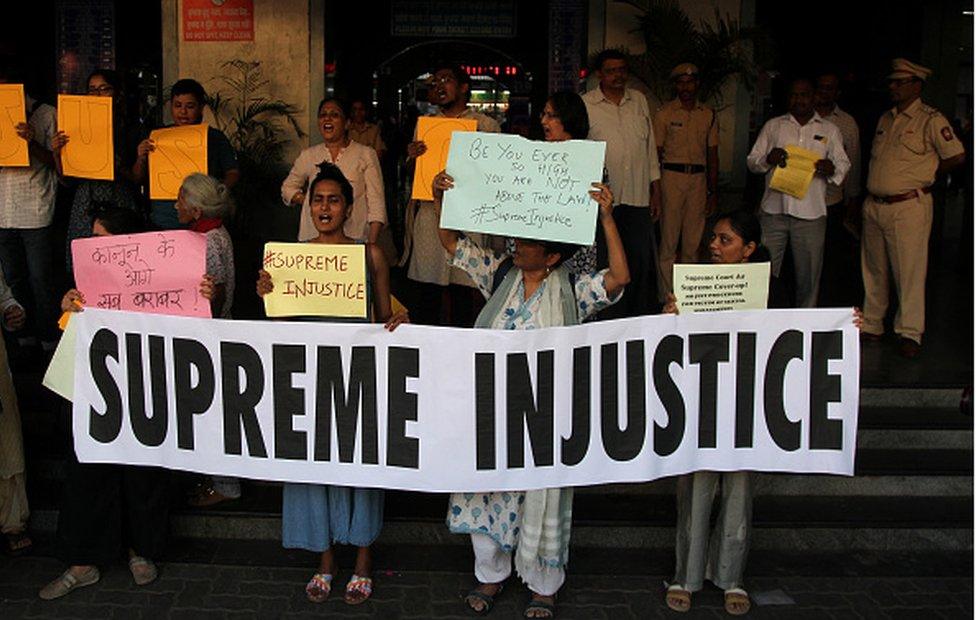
column 288, row 42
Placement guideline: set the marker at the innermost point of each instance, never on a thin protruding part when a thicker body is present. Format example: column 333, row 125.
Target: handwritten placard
column 706, row 288
column 507, row 185
column 13, row 148
column 316, row 279
column 435, row 132
column 89, row 153
column 180, row 151
column 158, row 272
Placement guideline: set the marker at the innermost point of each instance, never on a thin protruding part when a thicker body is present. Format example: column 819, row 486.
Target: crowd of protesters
column 657, row 205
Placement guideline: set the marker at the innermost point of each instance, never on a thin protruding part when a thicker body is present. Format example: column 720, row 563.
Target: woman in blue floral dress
column 537, row 291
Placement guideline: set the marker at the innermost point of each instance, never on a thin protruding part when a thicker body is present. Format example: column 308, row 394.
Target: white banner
column 441, row 409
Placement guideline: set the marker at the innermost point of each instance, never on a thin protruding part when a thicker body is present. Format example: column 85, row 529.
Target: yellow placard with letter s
column 435, row 133
column 178, row 153
column 13, row 148
column 90, row 152
column 316, row 279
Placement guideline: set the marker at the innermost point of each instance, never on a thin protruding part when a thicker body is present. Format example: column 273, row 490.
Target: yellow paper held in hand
column 90, row 152
column 13, row 148
column 795, row 178
column 180, row 151
column 435, row 132
column 316, row 279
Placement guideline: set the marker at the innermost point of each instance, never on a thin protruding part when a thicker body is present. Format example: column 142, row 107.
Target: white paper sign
column 440, row 409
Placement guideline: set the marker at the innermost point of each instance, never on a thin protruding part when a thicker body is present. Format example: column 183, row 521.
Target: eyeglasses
column 104, row 89
column 444, row 79
column 548, row 115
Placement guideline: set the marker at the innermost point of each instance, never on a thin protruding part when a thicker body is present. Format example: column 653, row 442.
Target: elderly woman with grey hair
column 201, row 206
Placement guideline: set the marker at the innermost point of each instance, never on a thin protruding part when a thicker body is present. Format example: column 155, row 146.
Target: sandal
column 67, row 582
column 737, row 602
column 318, row 587
column 537, row 604
column 488, row 599
column 358, row 590
column 143, row 570
column 17, row 543
column 677, row 598
column 207, row 496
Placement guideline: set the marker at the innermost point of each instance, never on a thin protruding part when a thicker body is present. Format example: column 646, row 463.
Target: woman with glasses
column 92, row 196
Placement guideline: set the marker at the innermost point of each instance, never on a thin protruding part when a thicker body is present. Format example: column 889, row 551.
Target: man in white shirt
column 620, row 117
column 26, row 211
column 840, row 284
column 800, row 222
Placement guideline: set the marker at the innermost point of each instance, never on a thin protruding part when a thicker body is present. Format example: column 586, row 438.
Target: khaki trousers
column 683, row 201
column 896, row 237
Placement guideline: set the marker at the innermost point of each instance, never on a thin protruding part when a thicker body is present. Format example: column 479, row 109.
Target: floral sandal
column 319, row 587
column 358, row 590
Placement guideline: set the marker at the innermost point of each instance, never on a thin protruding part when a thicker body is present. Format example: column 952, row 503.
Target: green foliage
column 720, row 50
column 255, row 124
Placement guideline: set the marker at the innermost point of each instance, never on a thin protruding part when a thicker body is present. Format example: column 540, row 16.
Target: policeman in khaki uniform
column 912, row 143
column 687, row 139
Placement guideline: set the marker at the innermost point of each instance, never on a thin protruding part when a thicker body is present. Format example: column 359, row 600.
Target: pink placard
column 157, row 272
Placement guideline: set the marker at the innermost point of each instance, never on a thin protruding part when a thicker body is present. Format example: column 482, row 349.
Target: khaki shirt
column 907, row 149
column 368, row 136
column 685, row 135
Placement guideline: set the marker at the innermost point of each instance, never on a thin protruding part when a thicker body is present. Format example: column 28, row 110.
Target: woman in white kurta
column 536, row 291
column 358, row 163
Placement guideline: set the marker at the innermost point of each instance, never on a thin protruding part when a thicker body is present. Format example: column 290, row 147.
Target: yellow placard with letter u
column 90, row 152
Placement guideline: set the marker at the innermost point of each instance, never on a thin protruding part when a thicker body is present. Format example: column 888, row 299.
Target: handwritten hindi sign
column 89, row 153
column 507, row 185
column 158, row 272
column 13, row 148
column 796, row 177
column 316, row 279
column 180, row 151
column 436, row 133
column 705, row 288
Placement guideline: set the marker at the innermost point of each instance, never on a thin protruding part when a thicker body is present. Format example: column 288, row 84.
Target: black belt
column 685, row 168
column 890, row 200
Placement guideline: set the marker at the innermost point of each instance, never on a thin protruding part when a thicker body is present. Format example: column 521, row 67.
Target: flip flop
column 318, row 587
column 358, row 590
column 143, row 570
column 678, row 598
column 737, row 602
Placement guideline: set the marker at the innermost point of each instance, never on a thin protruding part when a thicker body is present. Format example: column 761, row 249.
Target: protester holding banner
column 734, row 238
column 13, row 487
column 104, row 507
column 187, row 99
column 529, row 290
column 445, row 292
column 202, row 204
column 359, row 164
column 93, row 195
column 316, row 517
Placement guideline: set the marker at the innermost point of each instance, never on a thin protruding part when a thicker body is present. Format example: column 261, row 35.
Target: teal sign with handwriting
column 510, row 186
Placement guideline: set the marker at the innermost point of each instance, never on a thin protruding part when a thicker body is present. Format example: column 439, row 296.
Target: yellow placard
column 316, row 279
column 435, row 132
column 794, row 180
column 180, row 151
column 90, row 152
column 13, row 148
